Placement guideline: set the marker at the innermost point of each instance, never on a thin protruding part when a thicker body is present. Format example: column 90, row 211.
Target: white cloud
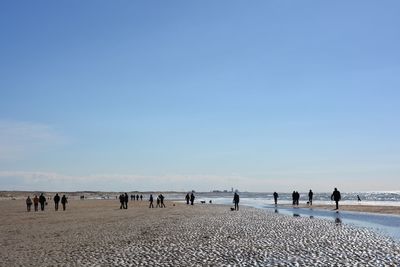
column 20, row 139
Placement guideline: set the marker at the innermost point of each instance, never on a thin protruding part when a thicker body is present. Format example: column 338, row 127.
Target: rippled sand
column 98, row 233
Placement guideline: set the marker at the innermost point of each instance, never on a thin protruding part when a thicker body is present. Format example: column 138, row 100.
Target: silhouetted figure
column 162, row 201
column 192, row 197
column 42, row 201
column 276, row 198
column 297, row 198
column 358, row 198
column 236, row 200
column 141, row 197
column 64, row 202
column 132, row 197
column 121, row 201
column 126, row 199
column 336, row 197
column 187, row 198
column 28, row 204
column 151, row 201
column 36, row 202
column 56, row 201
column 310, row 197
column 294, row 197
column 137, row 197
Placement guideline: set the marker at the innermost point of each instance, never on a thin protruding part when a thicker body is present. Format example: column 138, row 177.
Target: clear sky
column 180, row 95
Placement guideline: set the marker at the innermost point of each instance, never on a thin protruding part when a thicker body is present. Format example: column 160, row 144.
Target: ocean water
column 367, row 198
column 388, row 225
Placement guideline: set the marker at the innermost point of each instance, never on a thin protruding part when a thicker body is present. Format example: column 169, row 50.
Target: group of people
column 43, row 202
column 123, row 200
column 160, row 201
column 296, row 196
column 190, row 198
column 133, row 197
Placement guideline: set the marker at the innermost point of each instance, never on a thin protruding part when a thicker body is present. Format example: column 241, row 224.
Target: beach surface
column 98, row 233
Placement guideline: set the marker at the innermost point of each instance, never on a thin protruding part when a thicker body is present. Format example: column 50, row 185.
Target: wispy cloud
column 19, row 139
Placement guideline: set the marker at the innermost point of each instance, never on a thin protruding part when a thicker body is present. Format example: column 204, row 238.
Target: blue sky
column 181, row 95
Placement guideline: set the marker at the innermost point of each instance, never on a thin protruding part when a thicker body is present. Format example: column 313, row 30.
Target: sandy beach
column 98, row 233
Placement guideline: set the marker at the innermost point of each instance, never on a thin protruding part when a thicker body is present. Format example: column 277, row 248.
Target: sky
column 260, row 96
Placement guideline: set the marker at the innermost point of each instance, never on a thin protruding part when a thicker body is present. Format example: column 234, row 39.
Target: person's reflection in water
column 296, row 215
column 276, row 210
column 338, row 220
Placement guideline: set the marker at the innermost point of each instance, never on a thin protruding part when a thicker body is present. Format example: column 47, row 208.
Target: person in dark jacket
column 236, row 200
column 192, row 197
column 336, row 197
column 151, row 202
column 64, row 201
column 276, row 198
column 56, row 201
column 122, row 201
column 126, row 199
column 187, row 198
column 162, row 205
column 42, row 201
column 310, row 197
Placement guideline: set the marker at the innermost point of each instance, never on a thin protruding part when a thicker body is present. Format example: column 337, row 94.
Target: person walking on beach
column 151, row 201
column 236, row 200
column 297, row 198
column 132, row 197
column 28, row 204
column 276, row 198
column 187, row 198
column 162, row 201
column 137, row 197
column 158, row 201
column 121, row 201
column 126, row 199
column 36, row 202
column 336, row 197
column 192, row 197
column 42, row 201
column 294, row 197
column 358, row 198
column 56, row 201
column 64, row 202
column 310, row 197
column 141, row 197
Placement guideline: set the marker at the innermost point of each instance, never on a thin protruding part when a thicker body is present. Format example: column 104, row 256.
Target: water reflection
column 338, row 220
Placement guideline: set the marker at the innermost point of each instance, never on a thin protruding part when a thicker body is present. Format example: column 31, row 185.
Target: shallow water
column 388, row 225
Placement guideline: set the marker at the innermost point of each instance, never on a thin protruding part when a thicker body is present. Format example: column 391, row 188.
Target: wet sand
column 98, row 233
